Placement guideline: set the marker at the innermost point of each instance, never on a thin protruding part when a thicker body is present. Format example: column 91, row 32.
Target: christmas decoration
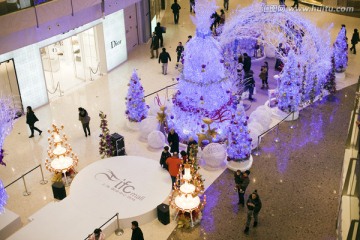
column 330, row 84
column 156, row 139
column 185, row 196
column 239, row 141
column 210, row 132
column 340, row 51
column 7, row 119
column 3, row 197
column 136, row 108
column 289, row 97
column 214, row 156
column 203, row 90
column 105, row 148
column 61, row 158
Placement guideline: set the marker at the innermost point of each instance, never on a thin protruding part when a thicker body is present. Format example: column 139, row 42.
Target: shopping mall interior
column 305, row 170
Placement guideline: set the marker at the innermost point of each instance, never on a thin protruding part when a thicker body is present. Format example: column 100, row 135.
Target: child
column 264, row 73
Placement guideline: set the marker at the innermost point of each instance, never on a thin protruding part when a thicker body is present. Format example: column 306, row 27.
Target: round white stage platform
column 130, row 185
column 242, row 166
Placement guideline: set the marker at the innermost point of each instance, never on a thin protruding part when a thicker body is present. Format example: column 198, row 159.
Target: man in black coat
column 136, row 231
column 31, row 119
column 159, row 31
column 254, row 206
column 354, row 40
column 154, row 45
column 242, row 181
column 173, row 140
column 247, row 62
column 179, row 51
column 163, row 58
column 176, row 9
column 165, row 155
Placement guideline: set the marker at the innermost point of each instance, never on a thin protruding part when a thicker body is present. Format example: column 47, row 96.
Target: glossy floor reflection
column 297, row 179
column 288, row 181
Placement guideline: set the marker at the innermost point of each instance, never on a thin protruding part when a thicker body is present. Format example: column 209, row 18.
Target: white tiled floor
column 107, row 94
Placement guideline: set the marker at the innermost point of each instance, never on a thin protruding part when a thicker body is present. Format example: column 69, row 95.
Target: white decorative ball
column 156, row 139
column 214, row 155
column 148, row 125
column 261, row 116
column 256, row 125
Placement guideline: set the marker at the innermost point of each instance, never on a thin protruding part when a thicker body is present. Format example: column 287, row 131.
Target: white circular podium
column 129, row 185
column 242, row 166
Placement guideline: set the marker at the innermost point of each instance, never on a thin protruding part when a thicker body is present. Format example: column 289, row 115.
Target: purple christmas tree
column 239, row 146
column 289, row 89
column 105, row 148
column 7, row 119
column 136, row 108
column 330, row 83
column 340, row 51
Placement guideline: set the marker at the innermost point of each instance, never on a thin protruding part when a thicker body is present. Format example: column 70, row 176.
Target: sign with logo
column 123, row 187
column 115, row 39
column 131, row 185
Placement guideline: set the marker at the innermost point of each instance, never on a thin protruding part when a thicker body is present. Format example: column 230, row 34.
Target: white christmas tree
column 289, row 89
column 7, row 119
column 340, row 51
column 136, row 108
column 203, row 90
column 239, row 141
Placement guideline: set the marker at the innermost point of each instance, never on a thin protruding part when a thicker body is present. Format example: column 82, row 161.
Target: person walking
column 226, row 5
column 242, row 181
column 254, row 206
column 164, row 58
column 246, row 62
column 264, row 74
column 176, row 10
column 174, row 163
column 173, row 140
column 85, row 120
column 354, row 40
column 192, row 6
column 165, row 155
column 159, row 30
column 137, row 234
column 296, row 4
column 222, row 17
column 31, row 119
column 249, row 83
column 179, row 51
column 97, row 235
column 154, row 45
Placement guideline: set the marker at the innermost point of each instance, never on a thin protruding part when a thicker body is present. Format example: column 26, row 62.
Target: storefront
column 9, row 84
column 48, row 69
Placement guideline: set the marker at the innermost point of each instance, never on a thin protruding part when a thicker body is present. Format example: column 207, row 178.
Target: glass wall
column 8, row 83
column 9, row 6
column 71, row 62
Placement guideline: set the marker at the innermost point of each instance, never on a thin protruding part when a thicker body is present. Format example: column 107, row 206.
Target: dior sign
column 123, row 187
column 115, row 43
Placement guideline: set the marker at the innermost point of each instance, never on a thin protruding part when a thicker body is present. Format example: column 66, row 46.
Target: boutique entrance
column 8, row 83
column 72, row 62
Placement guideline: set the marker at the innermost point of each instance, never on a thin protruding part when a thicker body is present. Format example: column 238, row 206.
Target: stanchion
column 277, row 139
column 26, row 193
column 118, row 231
column 257, row 152
column 43, row 180
column 292, row 120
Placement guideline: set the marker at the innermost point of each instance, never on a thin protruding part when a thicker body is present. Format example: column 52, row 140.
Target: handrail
column 26, row 193
column 270, row 129
column 347, row 177
column 348, row 140
column 161, row 89
column 353, row 230
column 118, row 231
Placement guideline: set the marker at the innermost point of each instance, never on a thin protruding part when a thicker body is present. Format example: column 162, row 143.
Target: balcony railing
column 10, row 6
